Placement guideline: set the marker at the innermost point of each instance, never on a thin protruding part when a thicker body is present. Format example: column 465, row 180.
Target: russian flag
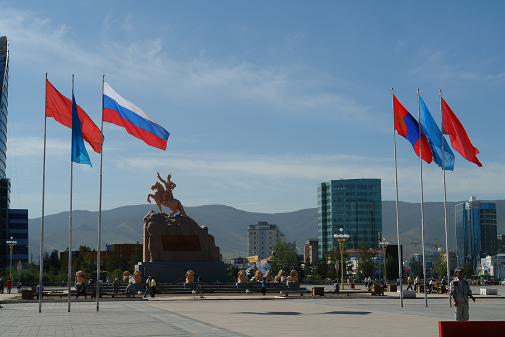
column 118, row 110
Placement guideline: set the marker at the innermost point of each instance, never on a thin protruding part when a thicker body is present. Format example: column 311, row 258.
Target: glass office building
column 18, row 230
column 4, row 79
column 5, row 185
column 354, row 205
column 476, row 231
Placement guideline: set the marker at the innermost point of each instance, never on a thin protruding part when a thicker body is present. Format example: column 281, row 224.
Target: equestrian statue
column 165, row 197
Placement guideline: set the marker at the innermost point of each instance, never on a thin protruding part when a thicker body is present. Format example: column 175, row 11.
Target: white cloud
column 33, row 146
column 311, row 169
column 148, row 63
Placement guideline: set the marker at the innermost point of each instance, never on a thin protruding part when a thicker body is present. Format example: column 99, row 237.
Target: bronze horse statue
column 165, row 198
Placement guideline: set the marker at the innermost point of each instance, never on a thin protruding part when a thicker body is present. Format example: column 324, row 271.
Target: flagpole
column 41, row 251
column 99, row 215
column 422, row 195
column 445, row 205
column 69, row 267
column 400, row 262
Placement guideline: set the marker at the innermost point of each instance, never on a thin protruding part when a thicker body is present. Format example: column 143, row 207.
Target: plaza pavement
column 250, row 315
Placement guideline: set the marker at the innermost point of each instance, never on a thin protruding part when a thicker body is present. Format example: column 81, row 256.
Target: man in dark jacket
column 460, row 292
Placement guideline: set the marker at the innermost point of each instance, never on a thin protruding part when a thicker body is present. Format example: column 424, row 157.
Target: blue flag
column 79, row 153
column 435, row 137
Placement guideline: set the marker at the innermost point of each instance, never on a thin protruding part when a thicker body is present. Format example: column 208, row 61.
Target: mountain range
column 228, row 225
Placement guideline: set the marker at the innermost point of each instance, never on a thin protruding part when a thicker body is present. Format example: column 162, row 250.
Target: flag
column 407, row 127
column 79, row 153
column 119, row 111
column 442, row 153
column 60, row 108
column 459, row 137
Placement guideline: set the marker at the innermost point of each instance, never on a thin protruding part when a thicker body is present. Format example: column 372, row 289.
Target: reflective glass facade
column 4, row 80
column 476, row 231
column 5, row 185
column 354, row 205
column 18, row 229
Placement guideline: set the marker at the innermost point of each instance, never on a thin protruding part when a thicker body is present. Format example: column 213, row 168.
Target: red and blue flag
column 408, row 127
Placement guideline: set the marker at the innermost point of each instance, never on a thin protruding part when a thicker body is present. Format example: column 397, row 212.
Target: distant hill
column 228, row 225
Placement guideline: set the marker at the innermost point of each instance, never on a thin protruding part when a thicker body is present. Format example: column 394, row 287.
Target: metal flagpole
column 69, row 276
column 422, row 195
column 400, row 262
column 99, row 215
column 41, row 251
column 445, row 206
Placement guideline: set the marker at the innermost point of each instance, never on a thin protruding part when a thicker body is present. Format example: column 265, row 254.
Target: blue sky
column 263, row 100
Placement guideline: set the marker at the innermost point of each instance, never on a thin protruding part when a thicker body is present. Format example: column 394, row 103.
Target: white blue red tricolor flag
column 117, row 110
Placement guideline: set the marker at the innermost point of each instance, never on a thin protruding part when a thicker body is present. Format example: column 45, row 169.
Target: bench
column 286, row 292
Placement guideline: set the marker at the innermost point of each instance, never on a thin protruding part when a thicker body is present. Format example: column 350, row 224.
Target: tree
column 440, row 266
column 285, row 257
column 365, row 263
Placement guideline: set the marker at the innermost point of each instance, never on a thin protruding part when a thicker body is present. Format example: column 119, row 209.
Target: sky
column 263, row 100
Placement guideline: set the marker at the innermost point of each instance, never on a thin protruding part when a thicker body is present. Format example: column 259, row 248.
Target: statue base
column 172, row 272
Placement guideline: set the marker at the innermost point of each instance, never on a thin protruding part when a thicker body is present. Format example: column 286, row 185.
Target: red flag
column 459, row 138
column 60, row 108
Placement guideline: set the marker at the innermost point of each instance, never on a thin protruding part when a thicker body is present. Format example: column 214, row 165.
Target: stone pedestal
column 172, row 272
column 174, row 245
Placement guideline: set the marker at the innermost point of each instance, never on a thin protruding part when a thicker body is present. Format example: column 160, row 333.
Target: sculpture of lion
column 281, row 276
column 81, row 278
column 293, row 277
column 258, row 276
column 268, row 276
column 138, row 277
column 190, row 277
column 242, row 277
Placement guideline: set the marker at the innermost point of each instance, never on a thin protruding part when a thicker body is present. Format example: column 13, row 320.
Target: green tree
column 440, row 266
column 285, row 257
column 365, row 263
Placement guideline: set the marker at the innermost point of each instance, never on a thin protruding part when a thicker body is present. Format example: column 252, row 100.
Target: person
column 153, row 287
column 2, row 284
column 9, row 285
column 264, row 286
column 409, row 283
column 169, row 186
column 460, row 292
column 115, row 287
column 148, row 287
column 19, row 285
column 431, row 285
column 336, row 287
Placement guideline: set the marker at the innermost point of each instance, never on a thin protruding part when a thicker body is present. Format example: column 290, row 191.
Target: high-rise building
column 476, row 231
column 263, row 237
column 310, row 252
column 18, row 230
column 4, row 182
column 354, row 205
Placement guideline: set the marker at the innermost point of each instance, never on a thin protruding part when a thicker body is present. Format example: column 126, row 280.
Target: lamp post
column 341, row 239
column 384, row 243
column 11, row 243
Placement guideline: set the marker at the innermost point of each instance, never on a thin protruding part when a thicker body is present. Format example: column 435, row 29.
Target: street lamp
column 384, row 243
column 341, row 239
column 11, row 243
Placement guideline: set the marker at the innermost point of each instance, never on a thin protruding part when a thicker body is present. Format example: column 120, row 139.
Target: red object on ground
column 472, row 329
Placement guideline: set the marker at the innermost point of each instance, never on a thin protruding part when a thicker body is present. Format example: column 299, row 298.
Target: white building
column 262, row 239
column 486, row 266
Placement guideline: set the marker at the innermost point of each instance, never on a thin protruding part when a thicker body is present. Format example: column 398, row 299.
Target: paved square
column 236, row 317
